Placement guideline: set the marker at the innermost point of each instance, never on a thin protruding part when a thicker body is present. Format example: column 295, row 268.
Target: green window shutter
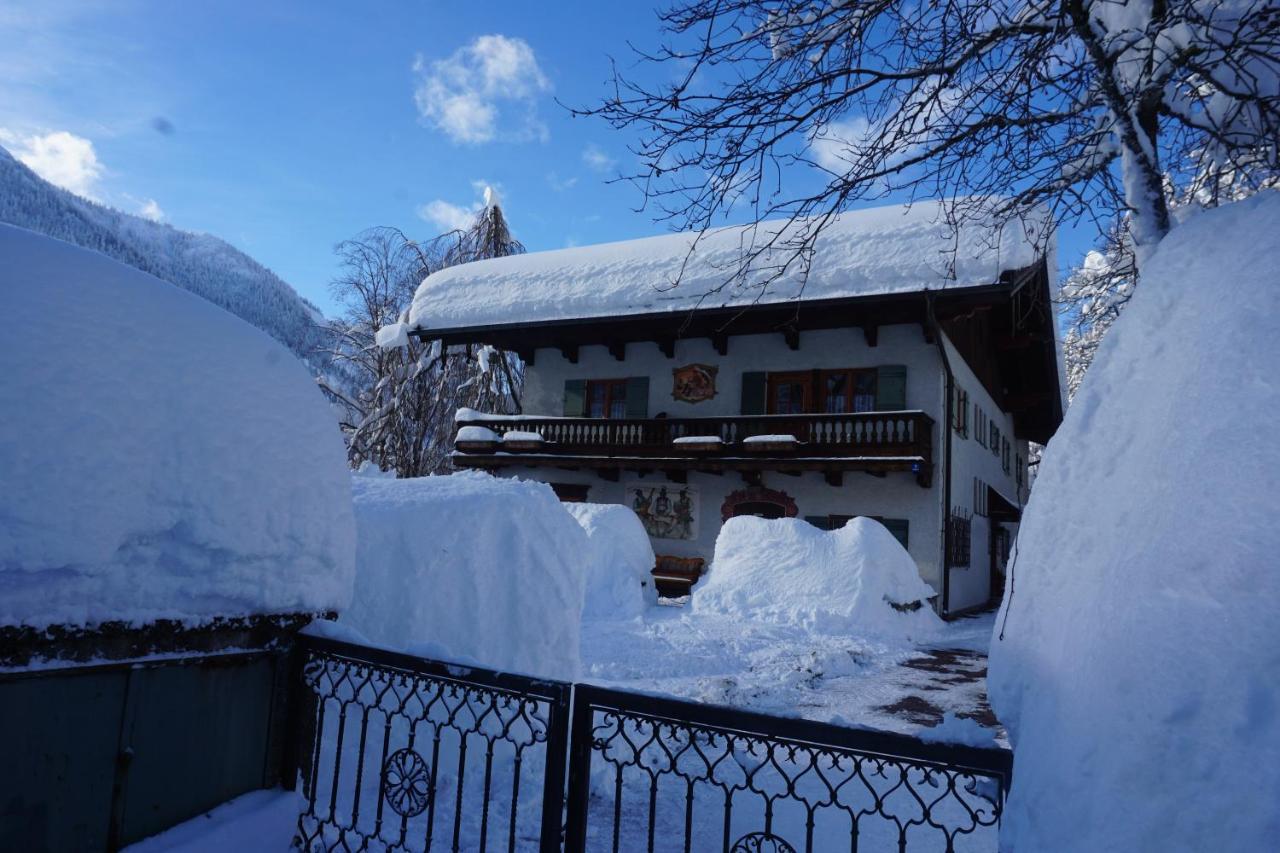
column 638, row 397
column 753, row 393
column 898, row 527
column 575, row 398
column 822, row 522
column 891, row 387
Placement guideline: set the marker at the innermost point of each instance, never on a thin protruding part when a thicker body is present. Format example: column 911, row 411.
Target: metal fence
column 399, row 752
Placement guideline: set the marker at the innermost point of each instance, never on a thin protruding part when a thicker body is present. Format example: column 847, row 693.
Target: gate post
column 553, row 783
column 575, row 832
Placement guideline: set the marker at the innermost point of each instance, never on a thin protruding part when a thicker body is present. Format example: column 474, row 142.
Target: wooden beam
column 752, row 478
column 618, row 349
column 526, row 355
column 871, row 332
column 668, row 347
column 789, row 472
column 792, row 336
column 610, row 474
column 721, row 343
column 570, row 352
column 676, row 475
column 834, row 478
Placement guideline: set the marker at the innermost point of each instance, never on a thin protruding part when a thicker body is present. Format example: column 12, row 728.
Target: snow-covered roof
column 881, row 250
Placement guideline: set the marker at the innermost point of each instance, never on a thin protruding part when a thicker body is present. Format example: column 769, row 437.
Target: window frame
column 610, row 386
column 796, row 377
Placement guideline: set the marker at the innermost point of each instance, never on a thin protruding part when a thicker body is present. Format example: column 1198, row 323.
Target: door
column 760, row 509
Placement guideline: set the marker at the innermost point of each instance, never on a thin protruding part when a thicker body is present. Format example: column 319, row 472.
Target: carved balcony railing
column 877, row 441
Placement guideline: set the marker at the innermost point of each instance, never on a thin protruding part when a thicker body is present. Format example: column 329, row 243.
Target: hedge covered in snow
column 1137, row 663
column 161, row 458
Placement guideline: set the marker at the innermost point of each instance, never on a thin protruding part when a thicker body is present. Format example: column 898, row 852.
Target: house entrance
column 760, row 502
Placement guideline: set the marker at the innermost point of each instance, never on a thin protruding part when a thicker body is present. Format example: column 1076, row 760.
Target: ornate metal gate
column 404, row 753
column 399, row 752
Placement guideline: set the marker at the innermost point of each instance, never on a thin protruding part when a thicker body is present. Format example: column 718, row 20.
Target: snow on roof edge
column 875, row 251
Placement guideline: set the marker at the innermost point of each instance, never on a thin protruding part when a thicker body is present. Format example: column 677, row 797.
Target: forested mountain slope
column 200, row 263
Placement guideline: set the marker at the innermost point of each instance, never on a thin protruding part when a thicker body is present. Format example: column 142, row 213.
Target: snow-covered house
column 901, row 379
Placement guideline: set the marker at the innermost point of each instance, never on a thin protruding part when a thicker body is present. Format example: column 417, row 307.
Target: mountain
column 204, row 265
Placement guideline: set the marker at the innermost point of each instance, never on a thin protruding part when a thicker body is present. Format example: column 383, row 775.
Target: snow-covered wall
column 161, row 458
column 470, row 568
column 1136, row 662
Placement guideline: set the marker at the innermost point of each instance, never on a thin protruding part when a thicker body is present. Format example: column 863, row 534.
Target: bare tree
column 999, row 106
column 398, row 402
column 390, row 406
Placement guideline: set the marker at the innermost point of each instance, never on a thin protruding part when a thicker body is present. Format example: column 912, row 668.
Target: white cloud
column 447, row 216
column 559, row 184
column 835, row 143
column 59, row 157
column 471, row 95
column 151, row 210
column 596, row 160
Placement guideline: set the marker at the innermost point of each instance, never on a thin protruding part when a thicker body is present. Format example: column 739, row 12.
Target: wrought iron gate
column 399, row 752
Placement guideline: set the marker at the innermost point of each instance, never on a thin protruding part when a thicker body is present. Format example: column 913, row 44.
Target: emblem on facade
column 694, row 383
column 667, row 511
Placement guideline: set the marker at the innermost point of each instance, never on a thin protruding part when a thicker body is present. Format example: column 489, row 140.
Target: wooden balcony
column 876, row 442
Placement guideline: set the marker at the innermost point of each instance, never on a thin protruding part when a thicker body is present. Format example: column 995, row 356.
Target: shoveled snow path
column 779, row 670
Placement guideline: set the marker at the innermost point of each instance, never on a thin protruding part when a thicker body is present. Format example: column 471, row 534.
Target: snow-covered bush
column 470, row 568
column 855, row 580
column 619, row 579
column 161, row 458
column 1135, row 663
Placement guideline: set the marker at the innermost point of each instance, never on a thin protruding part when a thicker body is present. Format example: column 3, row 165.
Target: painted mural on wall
column 667, row 511
column 694, row 383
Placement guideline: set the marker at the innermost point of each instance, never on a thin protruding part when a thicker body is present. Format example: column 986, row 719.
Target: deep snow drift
column 161, row 458
column 470, row 568
column 845, row 581
column 879, row 250
column 619, row 580
column 1139, row 670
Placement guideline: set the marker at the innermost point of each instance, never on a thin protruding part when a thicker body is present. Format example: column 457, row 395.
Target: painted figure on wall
column 664, row 514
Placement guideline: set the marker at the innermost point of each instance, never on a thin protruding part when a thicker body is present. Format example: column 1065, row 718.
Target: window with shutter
column 637, row 399
column 891, row 388
column 753, row 393
column 575, row 396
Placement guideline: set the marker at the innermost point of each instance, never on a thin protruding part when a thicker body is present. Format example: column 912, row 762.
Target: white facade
column 890, row 496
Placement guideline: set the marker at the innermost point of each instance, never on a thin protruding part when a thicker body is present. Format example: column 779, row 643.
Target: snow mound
column 844, row 581
column 1138, row 672
column 619, row 583
column 470, row 567
column 880, row 250
column 161, row 458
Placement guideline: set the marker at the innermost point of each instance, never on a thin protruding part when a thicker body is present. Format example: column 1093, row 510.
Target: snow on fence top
column 162, row 459
column 876, row 251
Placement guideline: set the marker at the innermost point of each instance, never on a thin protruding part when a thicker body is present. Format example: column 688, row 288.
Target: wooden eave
column 1025, row 380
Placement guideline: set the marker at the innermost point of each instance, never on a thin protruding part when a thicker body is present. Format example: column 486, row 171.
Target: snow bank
column 1139, row 670
column 880, row 250
column 161, row 458
column 619, row 582
column 833, row 582
column 470, row 567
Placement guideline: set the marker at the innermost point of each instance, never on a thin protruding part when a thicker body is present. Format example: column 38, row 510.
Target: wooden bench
column 674, row 577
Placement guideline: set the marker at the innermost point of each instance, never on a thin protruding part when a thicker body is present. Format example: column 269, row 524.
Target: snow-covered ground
column 785, row 670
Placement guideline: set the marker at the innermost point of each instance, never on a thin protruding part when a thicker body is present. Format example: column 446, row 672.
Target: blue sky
column 284, row 127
